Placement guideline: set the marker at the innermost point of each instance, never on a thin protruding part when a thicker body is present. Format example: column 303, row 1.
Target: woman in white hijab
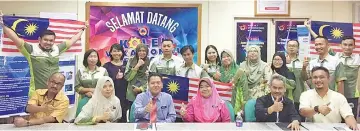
column 104, row 106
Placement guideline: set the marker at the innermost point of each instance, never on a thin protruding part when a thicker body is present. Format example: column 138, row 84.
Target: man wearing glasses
column 46, row 105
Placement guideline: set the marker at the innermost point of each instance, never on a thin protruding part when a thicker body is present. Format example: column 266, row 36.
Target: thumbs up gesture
column 278, row 105
column 288, row 59
column 106, row 115
column 183, row 109
column 140, row 63
column 217, row 75
column 119, row 75
column 148, row 107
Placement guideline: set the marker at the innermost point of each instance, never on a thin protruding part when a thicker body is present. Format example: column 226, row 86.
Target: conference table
column 176, row 126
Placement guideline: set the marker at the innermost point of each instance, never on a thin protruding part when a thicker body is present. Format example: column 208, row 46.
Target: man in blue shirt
column 153, row 105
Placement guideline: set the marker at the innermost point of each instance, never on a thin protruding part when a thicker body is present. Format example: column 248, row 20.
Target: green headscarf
column 253, row 68
column 227, row 75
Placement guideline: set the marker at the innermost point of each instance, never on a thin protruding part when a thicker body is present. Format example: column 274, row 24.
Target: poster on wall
column 132, row 24
column 1, row 37
column 272, row 7
column 251, row 33
column 14, row 85
column 67, row 66
column 15, row 82
column 285, row 31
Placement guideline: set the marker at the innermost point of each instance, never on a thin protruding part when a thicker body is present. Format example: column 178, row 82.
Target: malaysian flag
column 182, row 89
column 334, row 31
column 30, row 28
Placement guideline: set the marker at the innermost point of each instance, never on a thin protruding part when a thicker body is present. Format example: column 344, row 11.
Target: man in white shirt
column 325, row 60
column 350, row 65
column 189, row 69
column 166, row 62
column 324, row 105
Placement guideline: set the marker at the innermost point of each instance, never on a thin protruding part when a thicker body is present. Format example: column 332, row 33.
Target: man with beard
column 324, row 105
column 43, row 58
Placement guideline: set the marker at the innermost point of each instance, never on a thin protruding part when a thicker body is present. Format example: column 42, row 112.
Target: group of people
column 286, row 90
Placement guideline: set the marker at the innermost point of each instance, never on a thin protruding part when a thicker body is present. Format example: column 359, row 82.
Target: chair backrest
column 80, row 105
column 250, row 110
column 131, row 113
column 231, row 111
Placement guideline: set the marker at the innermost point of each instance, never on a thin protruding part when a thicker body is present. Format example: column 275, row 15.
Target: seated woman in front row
column 206, row 106
column 104, row 106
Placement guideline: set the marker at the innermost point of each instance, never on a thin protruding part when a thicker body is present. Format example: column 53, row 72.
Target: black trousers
column 124, row 107
column 353, row 102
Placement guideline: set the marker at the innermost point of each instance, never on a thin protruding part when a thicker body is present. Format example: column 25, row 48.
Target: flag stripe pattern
column 224, row 90
column 336, row 46
column 64, row 30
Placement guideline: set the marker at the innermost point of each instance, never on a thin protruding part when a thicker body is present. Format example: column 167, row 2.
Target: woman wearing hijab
column 228, row 66
column 212, row 62
column 257, row 71
column 135, row 72
column 206, row 106
column 104, row 106
column 116, row 69
column 228, row 70
column 278, row 66
column 87, row 77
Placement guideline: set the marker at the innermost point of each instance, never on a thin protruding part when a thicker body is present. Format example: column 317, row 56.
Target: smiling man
column 324, row 105
column 166, row 62
column 324, row 59
column 46, row 105
column 153, row 105
column 189, row 69
column 275, row 107
column 43, row 58
column 350, row 66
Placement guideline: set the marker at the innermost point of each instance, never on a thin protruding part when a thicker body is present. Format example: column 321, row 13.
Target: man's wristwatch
column 316, row 109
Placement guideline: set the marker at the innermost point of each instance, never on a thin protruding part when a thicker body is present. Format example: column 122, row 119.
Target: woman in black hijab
column 279, row 67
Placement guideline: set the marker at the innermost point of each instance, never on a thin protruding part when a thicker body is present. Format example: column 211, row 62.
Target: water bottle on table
column 239, row 120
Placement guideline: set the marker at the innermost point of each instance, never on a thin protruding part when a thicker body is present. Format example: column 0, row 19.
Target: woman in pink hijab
column 206, row 106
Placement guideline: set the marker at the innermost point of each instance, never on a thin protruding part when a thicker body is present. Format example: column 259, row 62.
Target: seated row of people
column 320, row 104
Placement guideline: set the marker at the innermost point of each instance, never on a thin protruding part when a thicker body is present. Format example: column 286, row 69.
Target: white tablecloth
column 173, row 126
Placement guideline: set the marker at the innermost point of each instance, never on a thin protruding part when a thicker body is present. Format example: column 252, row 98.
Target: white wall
column 221, row 18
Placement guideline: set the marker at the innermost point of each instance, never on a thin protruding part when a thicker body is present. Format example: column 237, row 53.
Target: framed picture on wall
column 130, row 24
column 272, row 8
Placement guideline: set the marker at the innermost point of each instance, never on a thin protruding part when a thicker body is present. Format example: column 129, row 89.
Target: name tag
column 85, row 76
